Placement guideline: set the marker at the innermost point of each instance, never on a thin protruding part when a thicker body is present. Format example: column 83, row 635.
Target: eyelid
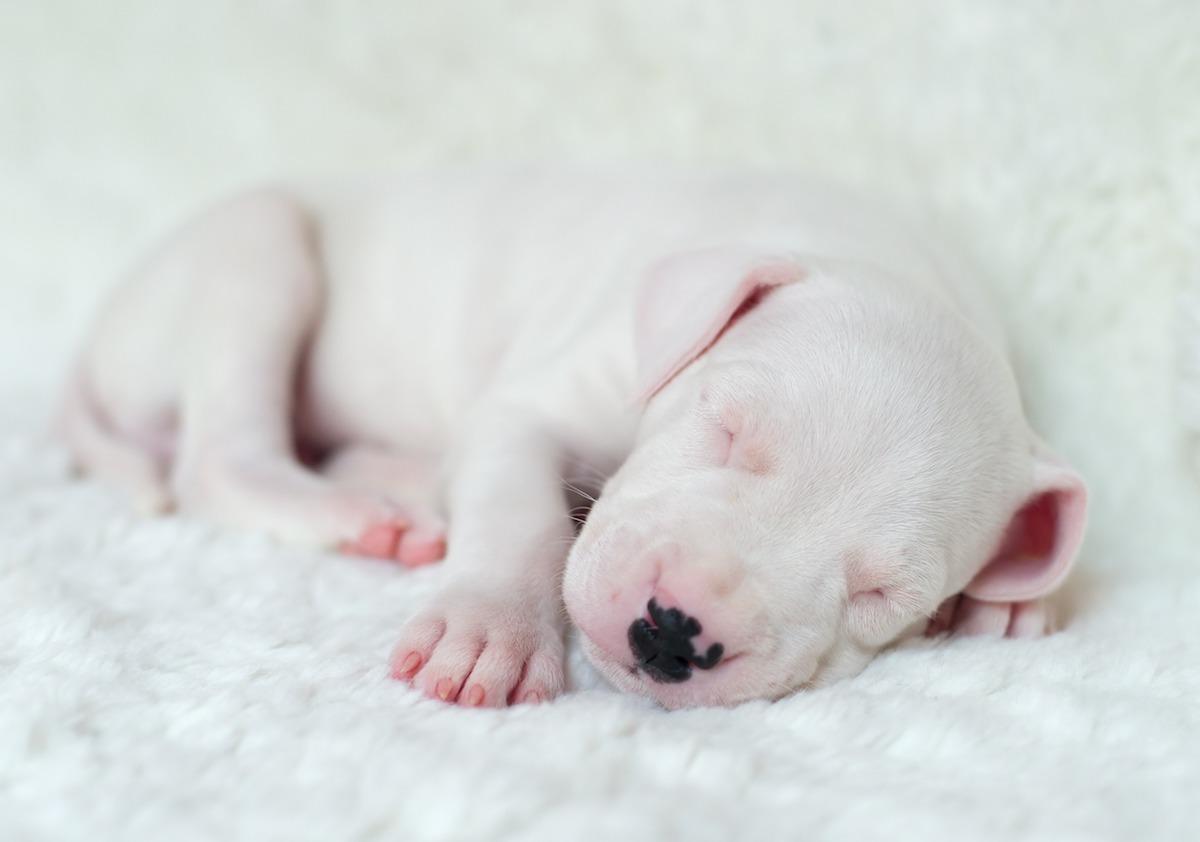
column 727, row 421
column 713, row 415
column 717, row 422
column 714, row 408
column 738, row 450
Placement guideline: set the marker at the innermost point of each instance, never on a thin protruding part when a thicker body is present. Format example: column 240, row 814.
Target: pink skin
column 398, row 540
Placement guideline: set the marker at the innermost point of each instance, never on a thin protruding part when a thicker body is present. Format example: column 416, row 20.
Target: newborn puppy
column 806, row 433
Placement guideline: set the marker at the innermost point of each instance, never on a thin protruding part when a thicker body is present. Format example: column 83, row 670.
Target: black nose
column 663, row 645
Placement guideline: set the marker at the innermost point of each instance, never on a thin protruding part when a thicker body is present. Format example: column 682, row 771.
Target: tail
column 99, row 449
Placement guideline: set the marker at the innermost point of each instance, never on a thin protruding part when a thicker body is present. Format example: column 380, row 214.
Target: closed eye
column 719, row 438
column 727, row 442
column 729, row 446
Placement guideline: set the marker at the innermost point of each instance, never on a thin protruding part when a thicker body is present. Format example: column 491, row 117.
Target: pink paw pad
column 397, row 540
column 419, row 547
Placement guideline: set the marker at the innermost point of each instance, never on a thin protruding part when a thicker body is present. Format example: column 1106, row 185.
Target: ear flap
column 687, row 300
column 1042, row 538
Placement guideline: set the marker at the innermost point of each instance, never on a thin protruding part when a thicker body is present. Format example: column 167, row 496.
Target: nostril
column 662, row 644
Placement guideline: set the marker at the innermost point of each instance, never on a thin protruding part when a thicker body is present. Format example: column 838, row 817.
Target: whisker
column 570, row 487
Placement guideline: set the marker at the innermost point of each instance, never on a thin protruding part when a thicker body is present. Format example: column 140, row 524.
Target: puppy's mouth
column 715, row 687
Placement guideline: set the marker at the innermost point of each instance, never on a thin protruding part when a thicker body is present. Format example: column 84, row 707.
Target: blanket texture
column 160, row 679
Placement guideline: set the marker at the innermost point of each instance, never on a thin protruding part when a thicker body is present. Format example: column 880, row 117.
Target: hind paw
column 962, row 615
column 399, row 539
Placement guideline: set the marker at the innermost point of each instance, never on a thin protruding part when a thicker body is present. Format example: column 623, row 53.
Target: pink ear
column 1042, row 538
column 687, row 300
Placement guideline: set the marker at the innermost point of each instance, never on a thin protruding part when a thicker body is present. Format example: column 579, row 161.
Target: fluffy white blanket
column 161, row 680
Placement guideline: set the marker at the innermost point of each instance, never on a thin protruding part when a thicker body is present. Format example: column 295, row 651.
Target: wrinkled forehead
column 797, row 345
column 841, row 393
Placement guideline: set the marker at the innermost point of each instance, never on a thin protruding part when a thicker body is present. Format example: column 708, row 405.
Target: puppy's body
column 503, row 327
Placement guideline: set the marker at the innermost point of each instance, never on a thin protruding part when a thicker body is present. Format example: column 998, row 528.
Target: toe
column 495, row 674
column 1029, row 619
column 981, row 618
column 421, row 546
column 378, row 540
column 416, row 646
column 543, row 676
column 452, row 660
column 414, row 542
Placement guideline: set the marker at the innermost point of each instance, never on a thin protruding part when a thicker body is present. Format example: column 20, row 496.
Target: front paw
column 482, row 649
column 963, row 615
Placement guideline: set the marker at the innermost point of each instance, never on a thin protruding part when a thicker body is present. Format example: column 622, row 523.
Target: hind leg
column 255, row 292
column 410, row 484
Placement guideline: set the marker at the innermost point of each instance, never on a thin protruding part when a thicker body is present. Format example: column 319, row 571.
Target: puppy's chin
column 622, row 676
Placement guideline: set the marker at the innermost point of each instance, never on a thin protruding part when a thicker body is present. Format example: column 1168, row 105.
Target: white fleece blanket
column 163, row 680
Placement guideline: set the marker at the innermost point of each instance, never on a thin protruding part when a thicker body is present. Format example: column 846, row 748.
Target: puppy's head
column 819, row 465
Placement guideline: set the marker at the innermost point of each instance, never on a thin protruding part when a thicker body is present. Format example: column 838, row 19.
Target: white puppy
column 816, row 438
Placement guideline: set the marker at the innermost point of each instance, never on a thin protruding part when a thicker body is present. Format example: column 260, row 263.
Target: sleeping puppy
column 798, row 418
